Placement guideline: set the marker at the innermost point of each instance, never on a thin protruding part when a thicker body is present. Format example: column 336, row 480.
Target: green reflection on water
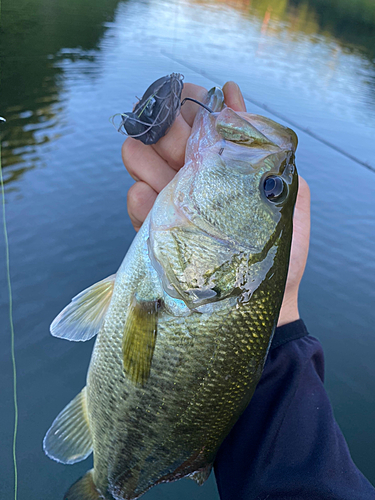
column 37, row 33
column 350, row 21
column 33, row 36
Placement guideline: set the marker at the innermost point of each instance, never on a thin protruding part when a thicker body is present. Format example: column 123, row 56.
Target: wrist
column 289, row 311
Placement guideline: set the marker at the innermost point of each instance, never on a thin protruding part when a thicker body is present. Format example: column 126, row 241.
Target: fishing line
column 286, row 119
column 175, row 19
column 2, row 120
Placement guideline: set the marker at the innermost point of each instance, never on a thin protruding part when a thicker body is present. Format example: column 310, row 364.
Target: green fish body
column 183, row 328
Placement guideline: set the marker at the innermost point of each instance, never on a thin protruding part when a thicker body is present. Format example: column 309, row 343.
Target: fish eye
column 273, row 188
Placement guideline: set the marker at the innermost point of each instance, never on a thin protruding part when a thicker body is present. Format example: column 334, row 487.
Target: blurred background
column 67, row 67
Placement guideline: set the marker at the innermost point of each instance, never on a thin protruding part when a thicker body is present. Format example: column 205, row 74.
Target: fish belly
column 204, row 371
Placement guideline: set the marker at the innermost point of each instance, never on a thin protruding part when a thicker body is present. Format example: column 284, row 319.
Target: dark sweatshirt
column 287, row 444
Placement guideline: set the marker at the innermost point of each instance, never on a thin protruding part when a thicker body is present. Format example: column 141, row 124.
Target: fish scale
column 183, row 328
column 193, row 415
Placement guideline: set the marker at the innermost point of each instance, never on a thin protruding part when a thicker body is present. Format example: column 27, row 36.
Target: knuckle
column 133, row 197
column 129, row 153
column 174, row 156
column 174, row 153
column 136, row 198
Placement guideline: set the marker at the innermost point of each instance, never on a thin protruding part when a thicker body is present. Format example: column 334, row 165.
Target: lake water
column 67, row 67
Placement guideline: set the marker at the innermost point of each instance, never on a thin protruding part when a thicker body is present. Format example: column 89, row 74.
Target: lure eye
column 149, row 108
column 273, row 188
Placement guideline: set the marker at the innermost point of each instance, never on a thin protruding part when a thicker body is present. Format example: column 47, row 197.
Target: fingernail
column 234, row 95
column 240, row 97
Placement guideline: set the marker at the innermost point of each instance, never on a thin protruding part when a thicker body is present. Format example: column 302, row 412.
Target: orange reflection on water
column 266, row 20
column 295, row 18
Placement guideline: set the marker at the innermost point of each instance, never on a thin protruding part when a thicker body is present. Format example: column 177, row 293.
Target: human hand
column 153, row 167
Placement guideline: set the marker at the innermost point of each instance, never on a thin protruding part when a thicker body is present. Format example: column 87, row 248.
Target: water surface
column 66, row 69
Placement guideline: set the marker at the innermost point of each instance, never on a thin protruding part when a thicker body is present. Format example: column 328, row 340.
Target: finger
column 233, row 97
column 189, row 109
column 144, row 164
column 141, row 198
column 171, row 147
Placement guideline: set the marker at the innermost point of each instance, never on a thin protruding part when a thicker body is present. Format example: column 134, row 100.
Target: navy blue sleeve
column 287, row 444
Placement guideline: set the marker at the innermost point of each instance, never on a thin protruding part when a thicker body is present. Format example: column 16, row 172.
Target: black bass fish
column 184, row 327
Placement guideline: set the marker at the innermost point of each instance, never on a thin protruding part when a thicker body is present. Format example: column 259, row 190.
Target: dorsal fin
column 83, row 317
column 69, row 440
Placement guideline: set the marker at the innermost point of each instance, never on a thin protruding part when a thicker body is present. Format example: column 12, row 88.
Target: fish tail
column 84, row 489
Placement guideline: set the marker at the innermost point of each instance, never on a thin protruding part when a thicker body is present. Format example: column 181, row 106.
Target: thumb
column 233, row 97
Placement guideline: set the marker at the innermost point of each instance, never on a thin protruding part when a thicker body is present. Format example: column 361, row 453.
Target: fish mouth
column 234, row 128
column 250, row 145
column 251, row 130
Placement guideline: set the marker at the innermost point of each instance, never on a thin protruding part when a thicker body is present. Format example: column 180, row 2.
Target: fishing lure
column 154, row 114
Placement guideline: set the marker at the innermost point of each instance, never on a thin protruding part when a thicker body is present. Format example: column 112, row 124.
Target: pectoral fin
column 83, row 317
column 139, row 339
column 69, row 440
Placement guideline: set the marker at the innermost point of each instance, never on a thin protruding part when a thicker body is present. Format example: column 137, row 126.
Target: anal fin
column 69, row 440
column 83, row 489
column 201, row 476
column 139, row 339
column 83, row 317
